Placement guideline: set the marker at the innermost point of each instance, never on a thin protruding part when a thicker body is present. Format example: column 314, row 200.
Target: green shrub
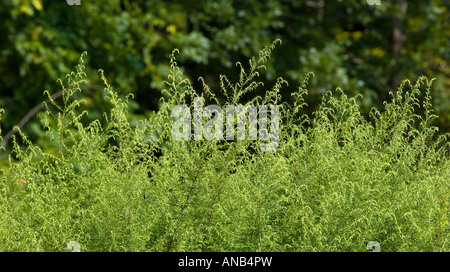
column 336, row 182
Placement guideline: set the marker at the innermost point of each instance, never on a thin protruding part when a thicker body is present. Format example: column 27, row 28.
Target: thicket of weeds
column 336, row 181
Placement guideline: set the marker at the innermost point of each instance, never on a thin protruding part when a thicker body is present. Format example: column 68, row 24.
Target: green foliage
column 336, row 182
column 346, row 43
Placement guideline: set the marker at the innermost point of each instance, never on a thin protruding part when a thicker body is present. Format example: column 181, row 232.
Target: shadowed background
column 361, row 48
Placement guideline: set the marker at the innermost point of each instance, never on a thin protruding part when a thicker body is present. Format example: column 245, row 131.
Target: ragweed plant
column 336, row 181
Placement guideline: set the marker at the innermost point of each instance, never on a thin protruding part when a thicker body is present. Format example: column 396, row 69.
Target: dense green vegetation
column 336, row 182
column 364, row 96
column 349, row 44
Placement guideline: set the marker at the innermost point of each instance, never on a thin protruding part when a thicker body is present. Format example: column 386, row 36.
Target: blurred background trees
column 361, row 48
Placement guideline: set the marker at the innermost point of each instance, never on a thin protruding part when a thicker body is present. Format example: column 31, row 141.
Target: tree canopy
column 361, row 48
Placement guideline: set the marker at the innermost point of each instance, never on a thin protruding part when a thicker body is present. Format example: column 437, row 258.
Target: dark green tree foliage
column 336, row 182
column 360, row 48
